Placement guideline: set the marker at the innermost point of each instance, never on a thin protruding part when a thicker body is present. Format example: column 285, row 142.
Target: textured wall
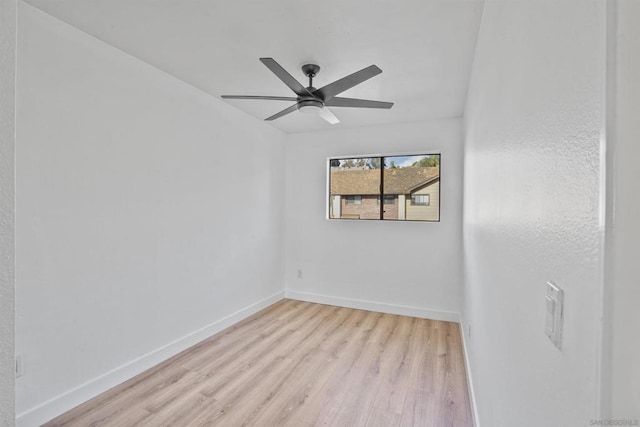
column 532, row 210
column 7, row 210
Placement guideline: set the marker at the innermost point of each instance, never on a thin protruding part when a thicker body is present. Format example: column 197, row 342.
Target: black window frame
column 334, row 161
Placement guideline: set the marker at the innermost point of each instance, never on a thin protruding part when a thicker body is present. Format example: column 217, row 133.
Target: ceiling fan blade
column 284, row 112
column 332, row 89
column 286, row 78
column 358, row 103
column 328, row 115
column 269, row 98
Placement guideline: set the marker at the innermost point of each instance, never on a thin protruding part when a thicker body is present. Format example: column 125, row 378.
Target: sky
column 400, row 161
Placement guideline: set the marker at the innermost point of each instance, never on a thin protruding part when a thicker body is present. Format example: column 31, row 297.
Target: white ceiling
column 424, row 47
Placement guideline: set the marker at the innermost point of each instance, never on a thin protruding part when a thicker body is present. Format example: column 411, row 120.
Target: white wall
column 624, row 230
column 7, row 210
column 533, row 132
column 147, row 211
column 404, row 267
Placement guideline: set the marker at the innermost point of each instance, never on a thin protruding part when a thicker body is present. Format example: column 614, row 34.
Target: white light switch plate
column 554, row 314
column 551, row 309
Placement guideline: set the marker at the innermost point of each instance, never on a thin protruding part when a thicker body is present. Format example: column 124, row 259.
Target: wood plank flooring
column 299, row 364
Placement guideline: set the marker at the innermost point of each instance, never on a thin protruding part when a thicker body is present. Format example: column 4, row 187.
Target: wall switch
column 554, row 314
column 550, row 318
column 299, row 274
column 19, row 366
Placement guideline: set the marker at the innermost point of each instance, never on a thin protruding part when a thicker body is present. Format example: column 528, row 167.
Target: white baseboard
column 74, row 397
column 404, row 310
column 472, row 395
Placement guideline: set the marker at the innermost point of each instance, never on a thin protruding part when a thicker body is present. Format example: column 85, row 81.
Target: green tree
column 427, row 162
column 376, row 162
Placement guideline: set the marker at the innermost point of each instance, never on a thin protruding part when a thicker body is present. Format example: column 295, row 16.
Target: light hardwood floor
column 299, row 364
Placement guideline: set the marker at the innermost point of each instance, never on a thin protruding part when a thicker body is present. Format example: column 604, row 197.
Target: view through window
column 409, row 186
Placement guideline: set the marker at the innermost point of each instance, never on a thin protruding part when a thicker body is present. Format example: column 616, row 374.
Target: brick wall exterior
column 391, row 209
column 370, row 208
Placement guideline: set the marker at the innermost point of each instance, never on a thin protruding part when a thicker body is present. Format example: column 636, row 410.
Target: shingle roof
column 367, row 181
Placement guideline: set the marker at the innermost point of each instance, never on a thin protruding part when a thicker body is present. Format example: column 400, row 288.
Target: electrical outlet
column 299, row 274
column 19, row 366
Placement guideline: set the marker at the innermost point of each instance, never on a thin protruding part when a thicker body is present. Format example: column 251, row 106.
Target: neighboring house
column 410, row 193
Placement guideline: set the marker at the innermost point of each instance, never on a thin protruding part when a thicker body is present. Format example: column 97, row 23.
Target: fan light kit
column 310, row 106
column 310, row 100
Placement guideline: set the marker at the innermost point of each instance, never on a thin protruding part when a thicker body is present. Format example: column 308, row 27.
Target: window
column 408, row 185
column 353, row 200
column 388, row 199
column 420, row 199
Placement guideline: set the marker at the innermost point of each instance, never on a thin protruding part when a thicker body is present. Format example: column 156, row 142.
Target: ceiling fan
column 312, row 100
